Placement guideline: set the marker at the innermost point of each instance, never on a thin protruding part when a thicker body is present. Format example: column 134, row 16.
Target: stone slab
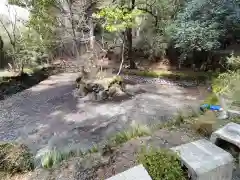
column 205, row 161
column 135, row 173
column 229, row 133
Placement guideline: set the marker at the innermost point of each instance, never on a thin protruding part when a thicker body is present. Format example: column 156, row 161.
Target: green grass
column 172, row 75
column 162, row 164
column 133, row 132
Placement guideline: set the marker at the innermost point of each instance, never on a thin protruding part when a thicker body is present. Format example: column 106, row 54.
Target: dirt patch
column 126, row 156
column 10, row 85
column 98, row 167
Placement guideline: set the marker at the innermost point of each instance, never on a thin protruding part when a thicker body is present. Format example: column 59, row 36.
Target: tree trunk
column 1, row 52
column 129, row 44
column 129, row 41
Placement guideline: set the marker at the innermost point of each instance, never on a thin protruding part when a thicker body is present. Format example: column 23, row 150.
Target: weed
column 94, row 149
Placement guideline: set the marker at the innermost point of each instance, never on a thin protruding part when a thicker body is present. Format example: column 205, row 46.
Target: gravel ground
column 49, row 115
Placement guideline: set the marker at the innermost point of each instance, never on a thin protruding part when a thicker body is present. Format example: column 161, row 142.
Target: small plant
column 162, row 164
column 133, row 132
column 55, row 157
column 94, row 149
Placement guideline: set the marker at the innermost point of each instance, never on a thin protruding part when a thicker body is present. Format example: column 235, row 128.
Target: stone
column 135, row 173
column 205, row 161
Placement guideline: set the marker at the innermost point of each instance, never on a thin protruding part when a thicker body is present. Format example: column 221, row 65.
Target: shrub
column 15, row 158
column 162, row 164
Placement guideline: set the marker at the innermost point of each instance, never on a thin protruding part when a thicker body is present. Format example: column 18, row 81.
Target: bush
column 162, row 164
column 15, row 158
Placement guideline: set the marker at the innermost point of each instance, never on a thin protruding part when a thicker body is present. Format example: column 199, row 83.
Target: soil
column 10, row 85
column 97, row 167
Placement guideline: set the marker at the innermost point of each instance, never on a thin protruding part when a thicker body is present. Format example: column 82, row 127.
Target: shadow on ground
column 49, row 115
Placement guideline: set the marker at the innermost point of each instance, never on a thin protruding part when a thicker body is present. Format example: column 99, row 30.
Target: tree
column 201, row 24
column 120, row 20
column 153, row 31
column 1, row 52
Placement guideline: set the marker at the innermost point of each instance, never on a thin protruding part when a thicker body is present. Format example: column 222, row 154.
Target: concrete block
column 205, row 161
column 135, row 173
column 229, row 133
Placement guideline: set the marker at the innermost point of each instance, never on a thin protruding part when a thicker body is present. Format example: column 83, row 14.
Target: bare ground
column 49, row 115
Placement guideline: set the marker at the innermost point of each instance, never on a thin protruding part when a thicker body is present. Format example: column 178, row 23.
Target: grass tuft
column 133, row 132
column 94, row 149
column 54, row 157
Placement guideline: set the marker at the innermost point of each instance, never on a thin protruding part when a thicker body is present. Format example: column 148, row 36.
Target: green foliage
column 228, row 83
column 162, row 164
column 199, row 26
column 118, row 18
column 212, row 99
column 15, row 158
column 153, row 29
column 133, row 132
column 172, row 75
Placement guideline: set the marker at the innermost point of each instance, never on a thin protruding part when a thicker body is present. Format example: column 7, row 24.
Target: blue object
column 210, row 107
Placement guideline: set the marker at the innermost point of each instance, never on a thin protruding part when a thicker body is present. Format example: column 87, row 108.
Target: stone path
column 48, row 114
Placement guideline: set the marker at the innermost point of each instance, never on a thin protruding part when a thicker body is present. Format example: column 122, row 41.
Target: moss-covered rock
column 100, row 89
column 15, row 158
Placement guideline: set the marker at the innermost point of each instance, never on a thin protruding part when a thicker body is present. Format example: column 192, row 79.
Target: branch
column 8, row 33
column 151, row 13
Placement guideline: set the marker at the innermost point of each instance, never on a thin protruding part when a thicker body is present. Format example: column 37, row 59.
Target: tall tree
column 201, row 24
